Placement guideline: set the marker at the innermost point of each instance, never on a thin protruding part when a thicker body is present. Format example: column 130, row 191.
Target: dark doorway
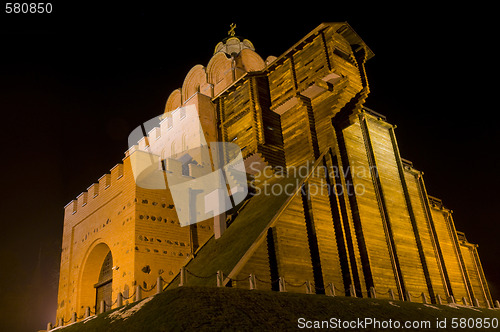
column 104, row 285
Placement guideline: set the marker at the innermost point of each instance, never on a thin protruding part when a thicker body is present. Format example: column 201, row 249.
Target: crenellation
column 143, row 143
column 93, row 189
column 71, row 207
column 116, row 172
column 154, row 134
column 82, row 199
column 104, row 182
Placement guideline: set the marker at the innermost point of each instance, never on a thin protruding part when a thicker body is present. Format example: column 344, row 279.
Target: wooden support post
column 391, row 294
column 497, row 304
column 87, row 312
column 451, row 299
column 408, row 296
column 159, row 285
column 476, row 302
column 61, row 321
column 424, row 298
column 119, row 299
column 438, row 299
column 73, row 317
column 182, row 277
column 352, row 290
column 331, row 287
column 138, row 293
column 102, row 307
column 464, row 301
column 220, row 278
column 49, row 326
column 373, row 294
column 282, row 284
column 308, row 287
column 251, row 280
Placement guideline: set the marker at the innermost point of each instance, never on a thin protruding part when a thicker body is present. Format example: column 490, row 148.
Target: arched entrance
column 96, row 278
column 104, row 286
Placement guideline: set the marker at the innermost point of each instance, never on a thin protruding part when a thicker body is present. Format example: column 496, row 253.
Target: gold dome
column 233, row 45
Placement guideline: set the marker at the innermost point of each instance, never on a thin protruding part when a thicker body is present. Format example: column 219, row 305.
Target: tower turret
column 232, row 44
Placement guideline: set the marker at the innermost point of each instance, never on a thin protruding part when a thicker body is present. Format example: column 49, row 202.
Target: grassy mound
column 229, row 309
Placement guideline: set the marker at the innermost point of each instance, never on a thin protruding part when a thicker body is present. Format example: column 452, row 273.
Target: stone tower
column 117, row 235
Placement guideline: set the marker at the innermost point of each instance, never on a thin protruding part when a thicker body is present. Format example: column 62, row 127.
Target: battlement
column 95, row 189
column 170, row 128
column 173, row 127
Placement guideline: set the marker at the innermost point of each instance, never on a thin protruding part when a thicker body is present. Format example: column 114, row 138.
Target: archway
column 96, row 278
column 104, row 285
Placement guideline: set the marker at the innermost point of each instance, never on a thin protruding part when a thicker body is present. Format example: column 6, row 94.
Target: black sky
column 74, row 83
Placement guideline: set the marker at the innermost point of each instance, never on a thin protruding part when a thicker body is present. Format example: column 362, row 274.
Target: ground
column 229, row 309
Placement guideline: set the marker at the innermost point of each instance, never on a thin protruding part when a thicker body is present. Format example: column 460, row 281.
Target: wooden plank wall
column 306, row 126
column 397, row 210
column 281, row 82
column 370, row 231
column 297, row 137
column 418, row 198
column 479, row 285
column 311, row 63
column 237, row 116
column 450, row 252
column 325, row 232
column 258, row 265
column 246, row 120
column 292, row 247
column 271, row 143
column 470, row 265
column 376, row 228
column 347, row 241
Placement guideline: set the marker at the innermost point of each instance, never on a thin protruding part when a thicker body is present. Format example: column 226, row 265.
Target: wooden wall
column 454, row 268
column 371, row 232
column 478, row 283
column 418, row 198
column 382, row 230
column 400, row 238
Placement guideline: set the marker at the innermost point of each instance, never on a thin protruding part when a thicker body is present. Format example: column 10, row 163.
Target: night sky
column 74, row 83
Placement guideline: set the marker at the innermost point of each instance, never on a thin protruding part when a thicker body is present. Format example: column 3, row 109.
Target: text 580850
column 28, row 8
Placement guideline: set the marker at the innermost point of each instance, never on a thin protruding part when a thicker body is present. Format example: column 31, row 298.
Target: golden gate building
column 303, row 108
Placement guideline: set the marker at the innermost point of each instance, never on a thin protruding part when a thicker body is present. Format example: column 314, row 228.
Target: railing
column 253, row 280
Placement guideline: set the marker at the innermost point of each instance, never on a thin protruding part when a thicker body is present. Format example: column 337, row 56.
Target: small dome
column 233, row 44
